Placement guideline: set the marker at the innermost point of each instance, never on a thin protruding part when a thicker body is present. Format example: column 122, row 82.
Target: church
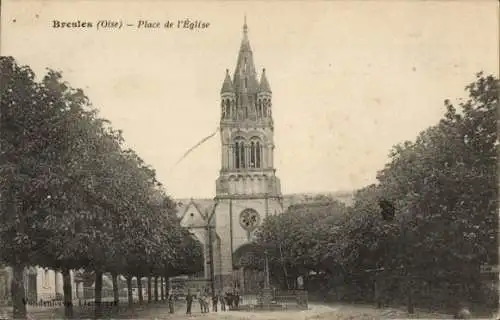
column 247, row 189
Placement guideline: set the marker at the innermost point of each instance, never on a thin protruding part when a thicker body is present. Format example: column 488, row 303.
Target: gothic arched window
column 257, row 154
column 242, row 155
column 228, row 108
column 237, row 155
column 253, row 161
column 246, row 83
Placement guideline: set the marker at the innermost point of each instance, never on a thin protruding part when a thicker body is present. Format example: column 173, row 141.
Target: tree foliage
column 72, row 196
column 443, row 187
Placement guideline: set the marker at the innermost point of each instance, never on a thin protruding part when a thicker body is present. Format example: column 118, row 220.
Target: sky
column 349, row 79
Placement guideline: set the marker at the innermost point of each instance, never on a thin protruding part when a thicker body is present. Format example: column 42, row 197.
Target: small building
column 40, row 284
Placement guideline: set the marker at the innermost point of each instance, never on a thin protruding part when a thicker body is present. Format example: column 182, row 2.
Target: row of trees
column 444, row 188
column 73, row 197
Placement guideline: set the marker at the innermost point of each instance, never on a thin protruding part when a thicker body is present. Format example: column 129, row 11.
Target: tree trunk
column 166, row 287
column 377, row 292
column 156, row 289
column 116, row 292
column 410, row 305
column 68, row 294
column 150, row 296
column 129, row 291
column 98, row 295
column 139, row 289
column 162, row 290
column 18, row 293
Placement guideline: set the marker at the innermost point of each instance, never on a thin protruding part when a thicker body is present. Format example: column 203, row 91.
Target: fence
column 281, row 300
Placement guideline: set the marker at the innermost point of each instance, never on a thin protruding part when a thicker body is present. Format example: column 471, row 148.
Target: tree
column 296, row 240
column 443, row 186
column 86, row 201
column 446, row 183
column 29, row 139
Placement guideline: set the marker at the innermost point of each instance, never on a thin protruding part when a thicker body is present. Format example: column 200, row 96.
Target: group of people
column 229, row 299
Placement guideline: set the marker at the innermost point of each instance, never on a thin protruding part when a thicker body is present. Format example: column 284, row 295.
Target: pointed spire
column 245, row 79
column 227, row 86
column 264, row 84
column 245, row 28
column 245, row 44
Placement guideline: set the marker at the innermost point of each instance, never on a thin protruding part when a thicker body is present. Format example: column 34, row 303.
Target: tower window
column 228, row 108
column 246, row 83
column 252, row 155
column 237, row 155
column 242, row 155
column 257, row 154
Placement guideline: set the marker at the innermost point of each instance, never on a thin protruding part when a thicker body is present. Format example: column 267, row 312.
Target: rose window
column 249, row 219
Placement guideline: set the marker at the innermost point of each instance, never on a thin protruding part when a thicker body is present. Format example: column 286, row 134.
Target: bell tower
column 247, row 132
column 247, row 189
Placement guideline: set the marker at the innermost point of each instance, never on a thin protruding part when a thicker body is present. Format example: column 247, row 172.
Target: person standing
column 206, row 301
column 236, row 299
column 222, row 302
column 215, row 299
column 201, row 301
column 189, row 301
column 229, row 300
column 171, row 303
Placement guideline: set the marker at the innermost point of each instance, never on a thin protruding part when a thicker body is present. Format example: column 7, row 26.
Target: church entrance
column 249, row 274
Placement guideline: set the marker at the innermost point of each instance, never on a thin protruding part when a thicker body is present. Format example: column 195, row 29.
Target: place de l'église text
column 187, row 24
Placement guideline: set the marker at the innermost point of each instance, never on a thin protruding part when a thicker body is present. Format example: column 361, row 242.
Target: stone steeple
column 247, row 189
column 244, row 98
column 245, row 77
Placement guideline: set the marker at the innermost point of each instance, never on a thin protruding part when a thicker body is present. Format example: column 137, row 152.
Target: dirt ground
column 315, row 311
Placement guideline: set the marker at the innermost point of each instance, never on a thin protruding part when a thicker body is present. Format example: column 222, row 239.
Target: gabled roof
column 203, row 206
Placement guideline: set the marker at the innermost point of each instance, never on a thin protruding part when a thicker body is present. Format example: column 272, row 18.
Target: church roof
column 264, row 84
column 204, row 206
column 227, row 86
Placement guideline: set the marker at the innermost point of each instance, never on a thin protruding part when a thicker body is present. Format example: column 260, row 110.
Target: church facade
column 247, row 189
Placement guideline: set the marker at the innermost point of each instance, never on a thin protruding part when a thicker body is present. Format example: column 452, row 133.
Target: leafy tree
column 86, row 201
column 444, row 188
column 31, row 135
column 296, row 240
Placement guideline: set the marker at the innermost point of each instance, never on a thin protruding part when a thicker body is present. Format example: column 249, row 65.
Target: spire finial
column 245, row 27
